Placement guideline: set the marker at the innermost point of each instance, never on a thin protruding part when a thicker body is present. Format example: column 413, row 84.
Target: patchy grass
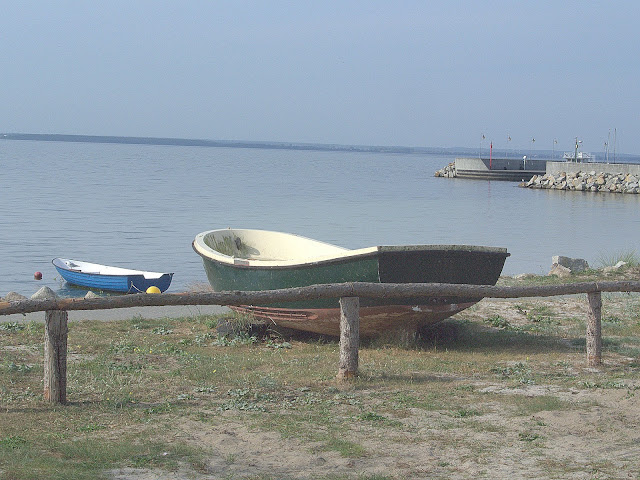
column 501, row 380
column 629, row 256
column 631, row 271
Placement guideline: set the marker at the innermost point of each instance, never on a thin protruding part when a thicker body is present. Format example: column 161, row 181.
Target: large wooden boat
column 105, row 277
column 237, row 259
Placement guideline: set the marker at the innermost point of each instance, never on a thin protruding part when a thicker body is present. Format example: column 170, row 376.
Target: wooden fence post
column 594, row 329
column 349, row 337
column 55, row 356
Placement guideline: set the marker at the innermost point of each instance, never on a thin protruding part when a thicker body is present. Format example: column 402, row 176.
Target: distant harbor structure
column 509, row 169
column 574, row 173
column 579, row 157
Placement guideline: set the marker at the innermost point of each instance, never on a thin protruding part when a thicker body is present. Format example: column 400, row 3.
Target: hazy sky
column 415, row 73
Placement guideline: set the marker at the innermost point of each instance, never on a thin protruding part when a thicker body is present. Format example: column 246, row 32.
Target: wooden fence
column 56, row 316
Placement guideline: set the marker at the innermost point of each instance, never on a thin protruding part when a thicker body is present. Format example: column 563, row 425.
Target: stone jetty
column 586, row 181
column 449, row 171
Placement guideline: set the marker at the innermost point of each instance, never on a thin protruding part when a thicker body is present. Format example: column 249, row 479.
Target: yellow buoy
column 153, row 289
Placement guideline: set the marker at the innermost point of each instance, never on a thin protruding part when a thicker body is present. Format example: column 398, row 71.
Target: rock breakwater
column 449, row 171
column 591, row 181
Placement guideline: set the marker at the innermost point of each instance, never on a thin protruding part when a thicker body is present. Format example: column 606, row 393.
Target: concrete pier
column 509, row 169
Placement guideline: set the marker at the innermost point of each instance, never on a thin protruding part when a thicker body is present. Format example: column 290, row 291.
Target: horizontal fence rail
column 354, row 289
column 56, row 313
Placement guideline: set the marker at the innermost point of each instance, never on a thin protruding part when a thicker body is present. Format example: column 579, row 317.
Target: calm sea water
column 140, row 206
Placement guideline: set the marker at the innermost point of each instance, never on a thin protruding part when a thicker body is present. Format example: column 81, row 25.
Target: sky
column 410, row 73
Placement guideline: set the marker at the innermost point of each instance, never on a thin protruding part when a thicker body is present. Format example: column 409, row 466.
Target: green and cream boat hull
column 236, row 259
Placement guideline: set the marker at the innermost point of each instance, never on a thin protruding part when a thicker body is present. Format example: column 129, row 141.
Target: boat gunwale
column 253, row 264
column 342, row 254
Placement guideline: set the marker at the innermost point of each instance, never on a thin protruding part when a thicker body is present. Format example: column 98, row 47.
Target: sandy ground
column 576, row 445
column 592, row 444
column 601, row 440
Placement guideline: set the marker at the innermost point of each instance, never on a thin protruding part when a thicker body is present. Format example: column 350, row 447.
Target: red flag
column 490, row 151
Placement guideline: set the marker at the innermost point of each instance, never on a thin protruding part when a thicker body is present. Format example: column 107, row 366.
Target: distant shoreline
column 186, row 142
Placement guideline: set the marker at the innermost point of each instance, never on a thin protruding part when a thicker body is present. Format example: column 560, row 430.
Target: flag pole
column 490, row 153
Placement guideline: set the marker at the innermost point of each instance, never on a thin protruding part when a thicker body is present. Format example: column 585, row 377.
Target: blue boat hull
column 115, row 283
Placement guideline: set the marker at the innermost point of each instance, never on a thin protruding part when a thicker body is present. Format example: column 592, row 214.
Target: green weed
column 12, row 326
column 629, row 256
column 498, row 322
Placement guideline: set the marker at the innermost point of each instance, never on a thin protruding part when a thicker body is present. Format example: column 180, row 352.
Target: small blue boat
column 104, row 277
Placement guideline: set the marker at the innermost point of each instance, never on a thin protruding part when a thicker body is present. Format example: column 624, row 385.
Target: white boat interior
column 97, row 269
column 267, row 248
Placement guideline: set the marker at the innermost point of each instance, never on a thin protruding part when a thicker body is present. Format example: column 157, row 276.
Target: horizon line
column 284, row 145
